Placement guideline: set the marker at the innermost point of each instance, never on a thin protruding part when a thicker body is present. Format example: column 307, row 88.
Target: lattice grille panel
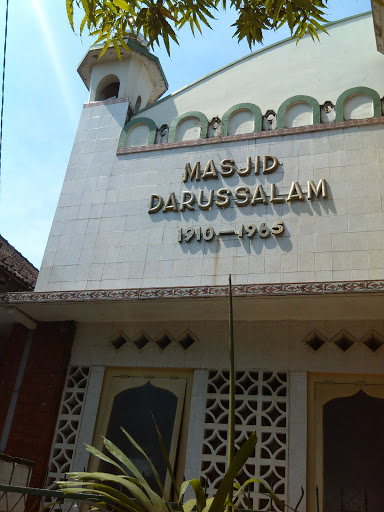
column 261, row 399
column 68, row 424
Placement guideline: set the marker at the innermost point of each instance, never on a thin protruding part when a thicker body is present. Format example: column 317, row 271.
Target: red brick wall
column 40, row 394
column 11, row 353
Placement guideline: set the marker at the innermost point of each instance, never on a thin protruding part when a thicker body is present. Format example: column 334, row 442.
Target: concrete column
column 297, row 455
column 88, row 420
column 196, row 425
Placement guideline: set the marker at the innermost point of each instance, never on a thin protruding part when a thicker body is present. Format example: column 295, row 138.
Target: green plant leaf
column 268, row 491
column 86, row 6
column 183, row 488
column 276, row 15
column 199, row 493
column 124, row 44
column 122, row 4
column 153, row 469
column 319, row 27
column 290, row 16
column 110, row 6
column 159, row 20
column 209, row 502
column 82, row 24
column 105, row 47
column 120, row 456
column 166, row 459
column 237, row 463
column 142, row 500
column 69, row 7
column 123, row 505
column 100, row 455
column 157, row 501
column 117, row 48
column 189, row 505
column 99, row 487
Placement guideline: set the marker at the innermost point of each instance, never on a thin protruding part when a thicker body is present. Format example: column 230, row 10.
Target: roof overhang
column 275, row 302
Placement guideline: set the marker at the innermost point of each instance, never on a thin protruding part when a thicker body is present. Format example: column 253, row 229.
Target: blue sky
column 44, row 96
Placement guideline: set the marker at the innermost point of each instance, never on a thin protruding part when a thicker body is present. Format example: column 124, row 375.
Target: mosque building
column 270, row 169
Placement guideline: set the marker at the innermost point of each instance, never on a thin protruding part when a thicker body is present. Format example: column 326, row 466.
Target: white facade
column 110, row 241
column 297, row 142
column 103, row 237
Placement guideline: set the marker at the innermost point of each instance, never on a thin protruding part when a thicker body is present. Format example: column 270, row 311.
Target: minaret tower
column 138, row 76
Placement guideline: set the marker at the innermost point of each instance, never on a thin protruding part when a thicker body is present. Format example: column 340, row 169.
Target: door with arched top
column 346, row 443
column 135, row 400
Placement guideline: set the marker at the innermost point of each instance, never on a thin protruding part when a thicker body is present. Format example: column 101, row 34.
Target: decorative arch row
column 294, row 100
column 256, row 114
column 152, row 129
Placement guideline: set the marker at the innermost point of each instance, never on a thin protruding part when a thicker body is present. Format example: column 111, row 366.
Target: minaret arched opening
column 108, row 88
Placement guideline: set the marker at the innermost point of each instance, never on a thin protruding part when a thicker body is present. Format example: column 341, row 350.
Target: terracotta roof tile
column 13, row 262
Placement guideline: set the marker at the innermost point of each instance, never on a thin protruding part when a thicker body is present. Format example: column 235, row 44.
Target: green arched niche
column 367, row 91
column 300, row 98
column 194, row 113
column 133, row 122
column 257, row 126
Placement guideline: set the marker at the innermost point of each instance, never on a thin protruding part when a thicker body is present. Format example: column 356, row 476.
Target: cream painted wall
column 138, row 135
column 264, row 345
column 240, row 122
column 300, row 114
column 358, row 107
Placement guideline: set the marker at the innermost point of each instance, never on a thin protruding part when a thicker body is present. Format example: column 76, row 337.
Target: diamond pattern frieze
column 187, row 339
column 315, row 340
column 373, row 340
column 141, row 340
column 344, row 340
column 163, row 340
column 119, row 340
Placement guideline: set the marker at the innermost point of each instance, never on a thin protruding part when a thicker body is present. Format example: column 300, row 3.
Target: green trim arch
column 193, row 113
column 139, row 120
column 300, row 98
column 367, row 91
column 257, row 126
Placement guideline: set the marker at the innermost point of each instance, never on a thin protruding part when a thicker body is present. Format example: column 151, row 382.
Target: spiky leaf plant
column 136, row 495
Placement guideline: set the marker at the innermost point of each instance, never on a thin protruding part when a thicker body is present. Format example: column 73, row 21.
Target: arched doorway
column 345, row 462
column 134, row 401
column 353, row 429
